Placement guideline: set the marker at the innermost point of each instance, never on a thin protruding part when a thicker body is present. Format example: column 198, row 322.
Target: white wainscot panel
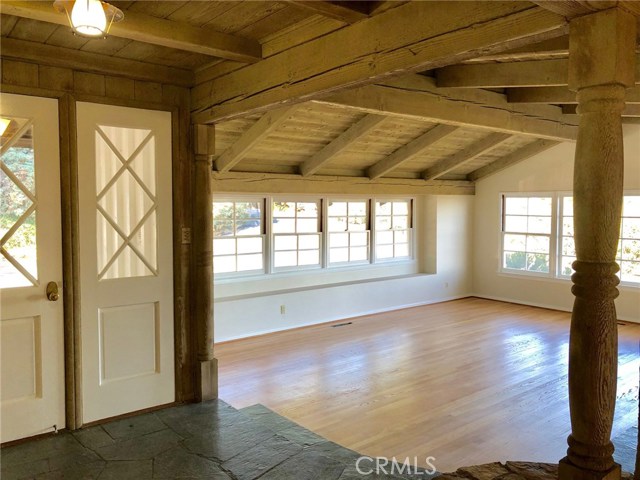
column 129, row 341
column 21, row 371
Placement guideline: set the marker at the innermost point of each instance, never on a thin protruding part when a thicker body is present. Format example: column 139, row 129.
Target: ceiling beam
column 511, row 159
column 536, row 73
column 557, row 95
column 553, row 48
column 158, row 31
column 413, row 37
column 269, row 122
column 93, row 62
column 632, row 110
column 341, row 143
column 465, row 108
column 409, row 151
column 271, row 183
column 347, row 12
column 465, row 155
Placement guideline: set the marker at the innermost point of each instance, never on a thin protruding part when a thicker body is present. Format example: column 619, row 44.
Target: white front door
column 31, row 326
column 126, row 259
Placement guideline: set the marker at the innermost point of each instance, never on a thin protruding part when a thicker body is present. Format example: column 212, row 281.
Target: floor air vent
column 341, row 324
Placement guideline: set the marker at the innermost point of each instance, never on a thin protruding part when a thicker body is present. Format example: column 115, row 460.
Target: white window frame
column 319, row 201
column 368, row 231
column 552, row 236
column 410, row 230
column 263, row 235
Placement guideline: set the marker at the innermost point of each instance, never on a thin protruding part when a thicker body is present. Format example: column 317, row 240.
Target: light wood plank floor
column 468, row 381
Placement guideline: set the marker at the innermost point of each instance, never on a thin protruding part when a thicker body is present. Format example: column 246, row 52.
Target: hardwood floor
column 467, row 382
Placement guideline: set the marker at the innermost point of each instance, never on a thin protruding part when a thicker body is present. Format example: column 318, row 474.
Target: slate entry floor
column 214, row 441
column 208, row 441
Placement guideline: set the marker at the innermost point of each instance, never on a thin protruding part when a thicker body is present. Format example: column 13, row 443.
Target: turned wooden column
column 601, row 67
column 207, row 365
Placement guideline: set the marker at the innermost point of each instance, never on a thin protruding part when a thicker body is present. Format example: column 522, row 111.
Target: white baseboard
column 338, row 318
column 543, row 305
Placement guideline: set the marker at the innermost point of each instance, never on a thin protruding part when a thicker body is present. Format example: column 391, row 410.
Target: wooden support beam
column 266, row 183
column 269, row 122
column 471, row 109
column 557, row 95
column 536, row 73
column 347, row 12
column 465, row 155
column 92, row 62
column 439, row 33
column 409, row 151
column 629, row 110
column 518, row 156
column 553, row 48
column 352, row 135
column 158, row 31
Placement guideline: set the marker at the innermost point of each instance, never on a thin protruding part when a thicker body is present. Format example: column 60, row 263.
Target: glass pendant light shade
column 88, row 18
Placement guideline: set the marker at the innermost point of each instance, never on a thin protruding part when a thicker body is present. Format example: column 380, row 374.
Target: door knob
column 52, row 292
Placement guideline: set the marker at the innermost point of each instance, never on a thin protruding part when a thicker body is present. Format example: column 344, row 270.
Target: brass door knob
column 52, row 292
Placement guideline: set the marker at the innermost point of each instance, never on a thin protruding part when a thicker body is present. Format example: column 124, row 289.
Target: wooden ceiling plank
column 465, row 111
column 341, row 143
column 269, row 183
column 269, row 122
column 158, row 31
column 409, row 151
column 347, row 12
column 387, row 45
column 465, row 155
column 557, row 95
column 535, row 73
column 92, row 62
column 511, row 159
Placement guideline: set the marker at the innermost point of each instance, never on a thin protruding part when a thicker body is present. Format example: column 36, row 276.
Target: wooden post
column 207, row 365
column 601, row 67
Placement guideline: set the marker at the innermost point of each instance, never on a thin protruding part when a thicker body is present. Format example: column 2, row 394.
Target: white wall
column 251, row 307
column 548, row 171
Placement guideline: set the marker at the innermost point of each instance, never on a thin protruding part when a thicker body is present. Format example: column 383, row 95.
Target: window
column 533, row 242
column 296, row 234
column 393, row 229
column 238, row 231
column 347, row 224
column 526, row 233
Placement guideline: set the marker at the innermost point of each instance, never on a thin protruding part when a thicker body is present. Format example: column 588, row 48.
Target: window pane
column 222, row 228
column 537, row 262
column 401, row 222
column 539, row 206
column 539, row 225
column 337, row 209
column 360, row 239
column 567, row 206
column 630, row 272
column 250, row 245
column 338, row 255
column 630, row 250
column 400, row 208
column 285, row 259
column 285, row 242
column 222, row 210
column 359, row 254
column 309, row 257
column 284, row 225
column 383, row 223
column 566, row 268
column 358, row 209
column 224, row 264
column 631, row 206
column 224, row 246
column 308, row 242
column 568, row 247
column 307, row 209
column 383, row 208
column 401, row 236
column 307, row 225
column 631, row 228
column 337, row 224
column 357, row 223
column 248, row 227
column 402, row 250
column 515, row 242
column 384, row 238
column 384, row 251
column 537, row 244
column 515, row 224
column 249, row 262
column 248, row 210
column 338, row 240
column 567, row 226
column 515, row 206
column 284, row 209
column 515, row 260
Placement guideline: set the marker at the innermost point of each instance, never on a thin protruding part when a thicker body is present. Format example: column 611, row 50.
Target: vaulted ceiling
column 425, row 91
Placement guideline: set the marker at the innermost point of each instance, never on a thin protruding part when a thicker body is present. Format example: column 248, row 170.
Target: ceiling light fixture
column 89, row 18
